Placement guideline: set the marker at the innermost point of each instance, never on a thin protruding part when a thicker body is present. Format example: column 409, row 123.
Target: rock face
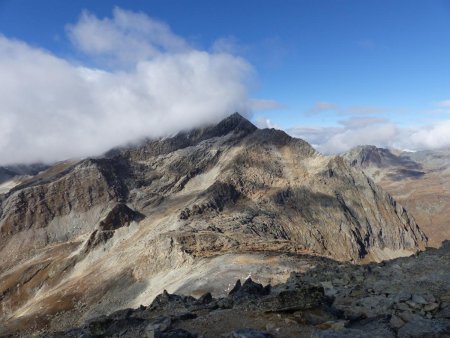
column 91, row 237
column 418, row 180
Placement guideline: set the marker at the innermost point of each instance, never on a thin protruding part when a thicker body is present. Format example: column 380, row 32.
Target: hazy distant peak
column 369, row 155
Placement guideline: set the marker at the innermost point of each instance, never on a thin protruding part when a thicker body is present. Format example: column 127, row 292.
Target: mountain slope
column 418, row 180
column 88, row 238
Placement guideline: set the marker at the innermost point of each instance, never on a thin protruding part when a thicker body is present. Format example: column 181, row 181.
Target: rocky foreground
column 406, row 297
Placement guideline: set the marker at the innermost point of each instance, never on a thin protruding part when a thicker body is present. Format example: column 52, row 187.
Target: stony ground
column 405, row 297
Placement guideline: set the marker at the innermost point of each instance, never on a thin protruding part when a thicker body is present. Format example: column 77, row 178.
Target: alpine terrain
column 86, row 246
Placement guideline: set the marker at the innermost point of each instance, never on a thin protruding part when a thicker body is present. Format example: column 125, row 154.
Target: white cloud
column 333, row 140
column 127, row 37
column 358, row 121
column 445, row 104
column 263, row 123
column 227, row 45
column 378, row 134
column 359, row 127
column 51, row 109
column 435, row 136
column 374, row 131
column 362, row 110
column 322, row 106
column 262, row 104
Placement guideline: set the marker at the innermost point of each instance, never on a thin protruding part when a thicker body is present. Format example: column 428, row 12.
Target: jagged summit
column 234, row 123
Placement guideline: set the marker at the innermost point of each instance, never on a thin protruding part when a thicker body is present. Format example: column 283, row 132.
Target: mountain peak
column 371, row 156
column 235, row 116
column 367, row 155
column 234, row 122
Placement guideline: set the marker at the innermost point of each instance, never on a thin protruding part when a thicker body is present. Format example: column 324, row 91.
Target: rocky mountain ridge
column 90, row 237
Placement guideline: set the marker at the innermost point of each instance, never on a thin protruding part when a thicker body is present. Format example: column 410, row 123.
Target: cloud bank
column 374, row 131
column 155, row 84
column 368, row 125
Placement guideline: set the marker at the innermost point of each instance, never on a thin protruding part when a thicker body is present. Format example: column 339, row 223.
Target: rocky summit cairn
column 188, row 213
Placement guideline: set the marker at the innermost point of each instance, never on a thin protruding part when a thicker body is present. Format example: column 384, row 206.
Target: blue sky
column 325, row 68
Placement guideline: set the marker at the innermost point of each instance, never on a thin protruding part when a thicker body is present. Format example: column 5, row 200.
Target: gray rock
column 418, row 299
column 330, row 291
column 176, row 333
column 185, row 316
column 250, row 333
column 444, row 313
column 314, row 317
column 414, row 305
column 402, row 307
column 425, row 328
column 396, row 322
column 205, row 299
column 159, row 325
column 376, row 305
column 402, row 296
column 302, row 298
column 225, row 303
column 430, row 307
column 335, row 325
column 351, row 333
column 249, row 289
column 408, row 316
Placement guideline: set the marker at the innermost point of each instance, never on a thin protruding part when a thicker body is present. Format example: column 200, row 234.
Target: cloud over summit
column 154, row 84
column 126, row 38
